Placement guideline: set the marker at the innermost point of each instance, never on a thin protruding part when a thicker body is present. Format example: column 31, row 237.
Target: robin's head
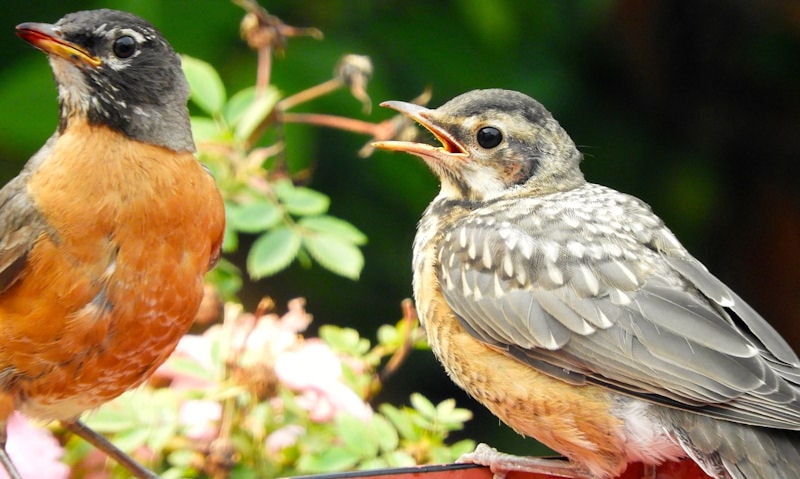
column 492, row 141
column 115, row 69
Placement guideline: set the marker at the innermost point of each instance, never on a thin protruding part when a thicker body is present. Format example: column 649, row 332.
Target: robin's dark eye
column 489, row 137
column 124, row 46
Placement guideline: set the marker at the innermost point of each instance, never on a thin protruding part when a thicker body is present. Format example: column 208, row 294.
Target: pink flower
column 284, row 437
column 33, row 450
column 200, row 418
column 315, row 371
column 271, row 335
column 194, row 349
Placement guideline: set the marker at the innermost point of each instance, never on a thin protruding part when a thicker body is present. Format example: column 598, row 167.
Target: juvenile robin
column 571, row 311
column 107, row 232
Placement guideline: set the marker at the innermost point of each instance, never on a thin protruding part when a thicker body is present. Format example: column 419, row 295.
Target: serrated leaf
column 332, row 253
column 423, row 405
column 272, row 252
column 304, row 201
column 253, row 217
column 205, row 85
column 255, row 113
column 334, row 226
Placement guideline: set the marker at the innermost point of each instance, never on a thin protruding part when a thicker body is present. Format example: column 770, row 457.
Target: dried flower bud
column 355, row 72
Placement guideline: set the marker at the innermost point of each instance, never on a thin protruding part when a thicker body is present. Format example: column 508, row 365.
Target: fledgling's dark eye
column 489, row 137
column 124, row 46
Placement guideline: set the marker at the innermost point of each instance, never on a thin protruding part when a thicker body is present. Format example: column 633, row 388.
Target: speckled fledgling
column 572, row 312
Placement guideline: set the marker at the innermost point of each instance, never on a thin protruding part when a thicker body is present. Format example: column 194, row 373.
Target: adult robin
column 572, row 312
column 107, row 232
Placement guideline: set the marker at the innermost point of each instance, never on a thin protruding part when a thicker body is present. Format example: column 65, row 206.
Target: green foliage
column 289, row 221
column 280, row 404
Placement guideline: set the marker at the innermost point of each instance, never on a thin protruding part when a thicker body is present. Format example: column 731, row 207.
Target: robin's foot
column 501, row 464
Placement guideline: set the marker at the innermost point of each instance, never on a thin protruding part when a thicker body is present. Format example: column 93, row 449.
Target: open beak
column 47, row 38
column 450, row 150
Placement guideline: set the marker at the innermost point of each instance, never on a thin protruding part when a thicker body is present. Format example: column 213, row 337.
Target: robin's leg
column 89, row 435
column 501, row 464
column 5, row 460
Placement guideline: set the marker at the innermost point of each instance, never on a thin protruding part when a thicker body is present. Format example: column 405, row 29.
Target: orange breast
column 106, row 295
column 575, row 421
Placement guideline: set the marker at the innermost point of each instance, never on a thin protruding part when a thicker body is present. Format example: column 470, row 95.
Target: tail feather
column 728, row 450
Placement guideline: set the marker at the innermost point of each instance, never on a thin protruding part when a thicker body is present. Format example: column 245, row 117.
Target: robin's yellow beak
column 451, row 147
column 47, row 38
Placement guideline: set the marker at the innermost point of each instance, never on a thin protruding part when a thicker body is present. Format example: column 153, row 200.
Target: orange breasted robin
column 571, row 311
column 107, row 232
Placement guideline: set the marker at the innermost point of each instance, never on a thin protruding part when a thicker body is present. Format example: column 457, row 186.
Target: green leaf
column 334, row 226
column 131, row 439
column 272, row 252
column 356, row 436
column 334, row 254
column 401, row 421
column 237, row 104
column 300, row 200
column 345, row 340
column 204, row 128
column 384, row 433
column 423, row 405
column 207, row 89
column 331, row 459
column 227, row 278
column 253, row 217
column 389, row 336
column 402, row 459
column 255, row 113
column 230, row 240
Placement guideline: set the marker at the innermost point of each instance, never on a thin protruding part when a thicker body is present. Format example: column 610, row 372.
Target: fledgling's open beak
column 450, row 150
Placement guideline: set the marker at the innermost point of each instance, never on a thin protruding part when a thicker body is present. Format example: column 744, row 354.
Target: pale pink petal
column 33, row 450
column 193, row 348
column 200, row 418
column 309, row 366
column 284, row 437
column 315, row 370
column 344, row 399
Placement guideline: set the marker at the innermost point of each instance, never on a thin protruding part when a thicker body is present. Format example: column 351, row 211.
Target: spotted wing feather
column 605, row 294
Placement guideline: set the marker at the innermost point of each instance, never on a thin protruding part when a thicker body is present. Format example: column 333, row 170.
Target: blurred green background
column 692, row 106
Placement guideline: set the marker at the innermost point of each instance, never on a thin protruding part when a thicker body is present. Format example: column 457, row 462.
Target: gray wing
column 605, row 294
column 20, row 222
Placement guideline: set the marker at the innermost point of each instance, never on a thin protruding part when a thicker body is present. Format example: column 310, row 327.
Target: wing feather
column 617, row 302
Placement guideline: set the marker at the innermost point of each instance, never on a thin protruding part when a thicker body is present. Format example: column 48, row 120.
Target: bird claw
column 501, row 464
